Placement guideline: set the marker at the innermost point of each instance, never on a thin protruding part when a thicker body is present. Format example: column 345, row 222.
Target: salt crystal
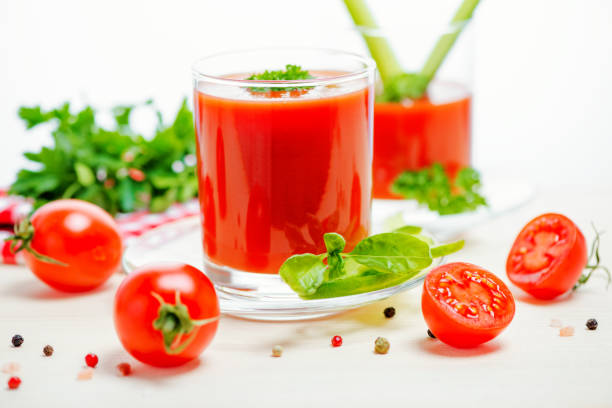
column 10, row 368
column 566, row 331
column 85, row 374
column 556, row 323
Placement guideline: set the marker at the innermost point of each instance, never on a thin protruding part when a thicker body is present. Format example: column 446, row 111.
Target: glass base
column 246, row 295
column 237, row 281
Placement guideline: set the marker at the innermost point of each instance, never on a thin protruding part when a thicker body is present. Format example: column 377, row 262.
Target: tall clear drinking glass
column 280, row 162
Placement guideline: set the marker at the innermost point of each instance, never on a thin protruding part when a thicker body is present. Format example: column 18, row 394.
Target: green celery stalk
column 399, row 84
column 446, row 41
column 386, row 61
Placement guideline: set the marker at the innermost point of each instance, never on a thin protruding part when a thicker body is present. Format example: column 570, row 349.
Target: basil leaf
column 361, row 283
column 446, row 249
column 303, row 273
column 409, row 229
column 393, row 252
column 335, row 244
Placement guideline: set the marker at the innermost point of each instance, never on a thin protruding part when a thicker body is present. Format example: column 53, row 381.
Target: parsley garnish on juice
column 433, row 188
column 290, row 73
column 377, row 262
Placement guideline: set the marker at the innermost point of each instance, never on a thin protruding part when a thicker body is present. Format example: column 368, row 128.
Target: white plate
column 502, row 193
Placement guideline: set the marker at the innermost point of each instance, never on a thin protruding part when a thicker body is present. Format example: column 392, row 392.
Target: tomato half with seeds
column 465, row 305
column 547, row 257
column 166, row 314
column 71, row 245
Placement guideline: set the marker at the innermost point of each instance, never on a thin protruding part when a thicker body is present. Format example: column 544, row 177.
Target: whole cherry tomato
column 547, row 257
column 465, row 305
column 166, row 314
column 71, row 245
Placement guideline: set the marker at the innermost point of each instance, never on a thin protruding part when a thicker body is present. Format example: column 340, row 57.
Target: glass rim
column 369, row 66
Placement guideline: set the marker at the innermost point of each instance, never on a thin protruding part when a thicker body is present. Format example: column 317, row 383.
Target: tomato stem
column 173, row 321
column 593, row 262
column 21, row 240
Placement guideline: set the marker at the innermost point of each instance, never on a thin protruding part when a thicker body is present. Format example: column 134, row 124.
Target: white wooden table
column 527, row 365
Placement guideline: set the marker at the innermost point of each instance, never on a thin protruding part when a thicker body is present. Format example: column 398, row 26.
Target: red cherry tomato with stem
column 465, row 305
column 166, row 314
column 71, row 245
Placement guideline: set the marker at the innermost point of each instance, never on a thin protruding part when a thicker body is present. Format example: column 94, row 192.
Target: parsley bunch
column 116, row 169
column 432, row 187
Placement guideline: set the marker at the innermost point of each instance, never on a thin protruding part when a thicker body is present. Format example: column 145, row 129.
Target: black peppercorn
column 430, row 334
column 389, row 312
column 48, row 350
column 591, row 324
column 17, row 340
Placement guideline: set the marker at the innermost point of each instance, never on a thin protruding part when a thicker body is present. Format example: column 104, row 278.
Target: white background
column 543, row 88
column 543, row 68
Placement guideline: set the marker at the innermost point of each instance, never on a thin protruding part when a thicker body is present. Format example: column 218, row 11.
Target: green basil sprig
column 377, row 262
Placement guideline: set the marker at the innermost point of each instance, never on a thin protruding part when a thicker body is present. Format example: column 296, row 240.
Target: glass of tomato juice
column 280, row 163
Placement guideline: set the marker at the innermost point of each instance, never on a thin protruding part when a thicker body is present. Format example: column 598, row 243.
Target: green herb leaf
column 392, row 252
column 84, row 174
column 409, row 229
column 303, row 273
column 89, row 162
column 446, row 249
column 377, row 262
column 366, row 281
column 290, row 73
column 334, row 243
column 433, row 188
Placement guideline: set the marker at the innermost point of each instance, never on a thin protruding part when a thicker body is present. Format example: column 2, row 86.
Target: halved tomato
column 547, row 257
column 465, row 305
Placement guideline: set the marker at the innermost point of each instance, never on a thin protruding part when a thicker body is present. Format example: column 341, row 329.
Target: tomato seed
column 336, row 341
column 566, row 331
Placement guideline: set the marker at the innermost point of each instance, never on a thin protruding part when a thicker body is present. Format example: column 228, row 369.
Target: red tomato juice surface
column 275, row 173
column 417, row 134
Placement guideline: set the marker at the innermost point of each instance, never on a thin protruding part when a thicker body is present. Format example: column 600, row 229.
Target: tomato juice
column 276, row 170
column 417, row 134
